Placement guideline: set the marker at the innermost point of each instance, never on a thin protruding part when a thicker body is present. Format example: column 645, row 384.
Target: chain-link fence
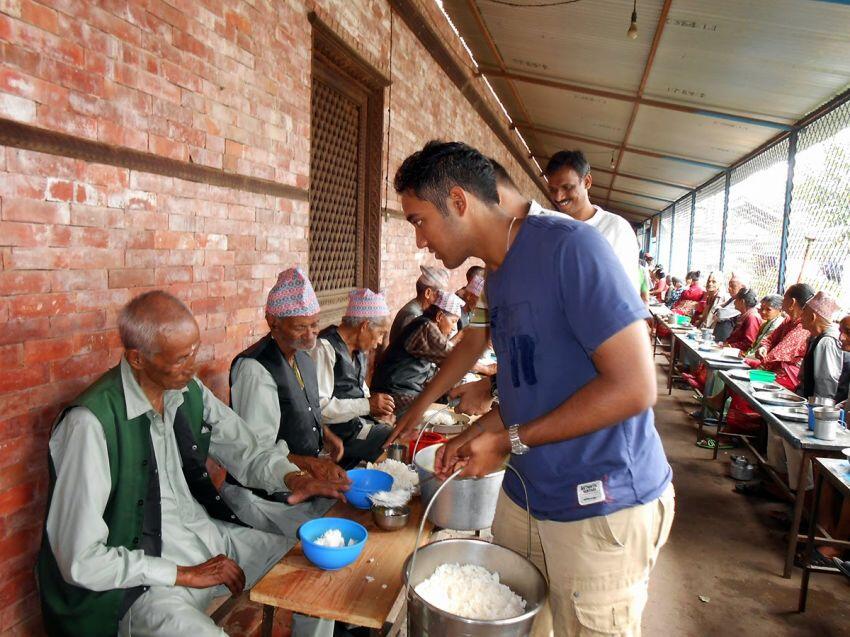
column 819, row 231
column 741, row 230
column 708, row 227
column 681, row 236
column 665, row 227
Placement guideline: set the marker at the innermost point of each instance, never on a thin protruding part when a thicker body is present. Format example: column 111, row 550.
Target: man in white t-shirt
column 569, row 178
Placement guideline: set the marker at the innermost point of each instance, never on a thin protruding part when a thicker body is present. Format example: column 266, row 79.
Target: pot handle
column 427, row 424
column 434, row 499
column 422, row 528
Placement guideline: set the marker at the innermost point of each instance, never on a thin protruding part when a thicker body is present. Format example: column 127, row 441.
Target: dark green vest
column 133, row 509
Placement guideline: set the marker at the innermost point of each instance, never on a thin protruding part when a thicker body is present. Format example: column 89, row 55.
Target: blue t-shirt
column 559, row 294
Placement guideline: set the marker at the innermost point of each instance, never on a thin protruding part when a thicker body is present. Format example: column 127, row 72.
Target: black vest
column 399, row 372
column 349, row 373
column 807, row 380
column 300, row 414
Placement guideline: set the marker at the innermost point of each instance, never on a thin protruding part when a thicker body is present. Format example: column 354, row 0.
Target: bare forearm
column 597, row 405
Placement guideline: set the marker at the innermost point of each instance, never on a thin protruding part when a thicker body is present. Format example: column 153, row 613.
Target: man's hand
column 484, row 454
column 447, row 460
column 320, row 468
column 217, row 570
column 333, row 444
column 381, row 405
column 303, row 487
column 405, row 427
column 474, row 397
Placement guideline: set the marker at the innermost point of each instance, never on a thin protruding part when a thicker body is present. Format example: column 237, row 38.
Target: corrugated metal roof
column 726, row 76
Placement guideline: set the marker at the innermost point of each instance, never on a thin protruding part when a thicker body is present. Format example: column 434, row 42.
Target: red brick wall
column 223, row 84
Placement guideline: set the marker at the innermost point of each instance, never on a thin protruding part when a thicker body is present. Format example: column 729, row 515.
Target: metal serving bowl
column 390, row 518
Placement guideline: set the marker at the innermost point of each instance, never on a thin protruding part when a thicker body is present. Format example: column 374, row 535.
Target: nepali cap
column 363, row 303
column 476, row 285
column 434, row 277
column 450, row 303
column 823, row 305
column 292, row 295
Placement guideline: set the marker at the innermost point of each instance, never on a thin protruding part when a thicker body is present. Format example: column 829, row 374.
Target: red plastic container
column 428, row 438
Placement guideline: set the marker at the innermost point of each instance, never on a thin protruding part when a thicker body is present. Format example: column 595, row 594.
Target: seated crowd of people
column 301, row 412
column 800, row 336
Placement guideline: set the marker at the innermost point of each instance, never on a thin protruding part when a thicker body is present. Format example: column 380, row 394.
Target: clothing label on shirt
column 590, row 493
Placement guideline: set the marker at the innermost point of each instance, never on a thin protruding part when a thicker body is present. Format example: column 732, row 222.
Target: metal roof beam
column 575, row 88
column 622, row 147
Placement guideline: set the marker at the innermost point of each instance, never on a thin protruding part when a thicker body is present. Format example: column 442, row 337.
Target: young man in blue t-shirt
column 576, row 386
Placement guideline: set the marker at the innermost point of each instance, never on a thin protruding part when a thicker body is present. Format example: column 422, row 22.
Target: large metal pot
column 467, row 504
column 516, row 572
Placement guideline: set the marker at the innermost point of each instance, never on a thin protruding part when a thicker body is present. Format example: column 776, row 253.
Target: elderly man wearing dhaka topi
column 137, row 539
column 348, row 408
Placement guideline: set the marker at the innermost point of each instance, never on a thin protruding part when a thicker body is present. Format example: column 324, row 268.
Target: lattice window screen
column 664, row 235
column 681, row 237
column 820, row 208
column 334, row 177
column 756, row 202
column 708, row 227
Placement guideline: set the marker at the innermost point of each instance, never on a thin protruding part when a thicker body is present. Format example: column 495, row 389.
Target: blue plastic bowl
column 365, row 482
column 327, row 557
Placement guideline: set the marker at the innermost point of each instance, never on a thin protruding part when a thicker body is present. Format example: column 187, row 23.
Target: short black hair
column 748, row 297
column 473, row 271
column 503, row 178
column 675, row 280
column 440, row 166
column 800, row 292
column 773, row 300
column 574, row 159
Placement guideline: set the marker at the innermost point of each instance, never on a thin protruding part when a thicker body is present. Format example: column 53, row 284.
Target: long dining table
column 797, row 434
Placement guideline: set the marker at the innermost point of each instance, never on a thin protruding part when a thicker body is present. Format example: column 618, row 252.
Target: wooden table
column 345, row 595
column 799, row 436
column 836, row 471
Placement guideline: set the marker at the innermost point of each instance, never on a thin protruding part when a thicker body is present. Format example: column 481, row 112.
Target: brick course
column 220, row 84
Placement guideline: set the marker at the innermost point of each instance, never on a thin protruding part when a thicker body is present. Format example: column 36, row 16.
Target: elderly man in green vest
column 137, row 538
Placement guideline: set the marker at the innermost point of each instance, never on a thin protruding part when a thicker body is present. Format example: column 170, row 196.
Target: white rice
column 391, row 499
column 439, row 418
column 334, row 539
column 404, row 478
column 470, row 591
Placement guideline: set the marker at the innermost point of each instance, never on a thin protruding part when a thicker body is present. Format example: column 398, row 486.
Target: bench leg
column 268, row 621
column 794, row 531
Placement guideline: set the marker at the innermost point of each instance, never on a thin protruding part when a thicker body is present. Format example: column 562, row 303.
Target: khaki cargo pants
column 597, row 569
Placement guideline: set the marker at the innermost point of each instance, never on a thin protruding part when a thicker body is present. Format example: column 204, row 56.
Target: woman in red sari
column 691, row 297
column 781, row 352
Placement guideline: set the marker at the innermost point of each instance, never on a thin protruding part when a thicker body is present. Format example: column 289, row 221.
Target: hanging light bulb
column 613, row 163
column 633, row 32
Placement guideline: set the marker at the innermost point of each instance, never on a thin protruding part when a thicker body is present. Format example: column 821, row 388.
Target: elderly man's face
column 734, row 286
column 295, row 332
column 173, row 366
column 810, row 321
column 844, row 333
column 446, row 322
column 767, row 312
column 370, row 336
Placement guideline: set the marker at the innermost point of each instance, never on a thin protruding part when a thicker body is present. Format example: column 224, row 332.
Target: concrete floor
column 727, row 548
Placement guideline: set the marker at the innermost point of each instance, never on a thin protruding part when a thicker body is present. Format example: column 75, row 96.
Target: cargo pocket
column 616, row 612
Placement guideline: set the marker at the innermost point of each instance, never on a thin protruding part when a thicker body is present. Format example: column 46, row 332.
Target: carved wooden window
column 346, row 124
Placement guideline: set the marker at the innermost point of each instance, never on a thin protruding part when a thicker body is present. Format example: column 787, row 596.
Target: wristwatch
column 518, row 447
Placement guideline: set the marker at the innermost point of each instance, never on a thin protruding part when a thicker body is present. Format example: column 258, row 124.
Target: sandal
column 710, row 443
column 817, row 559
